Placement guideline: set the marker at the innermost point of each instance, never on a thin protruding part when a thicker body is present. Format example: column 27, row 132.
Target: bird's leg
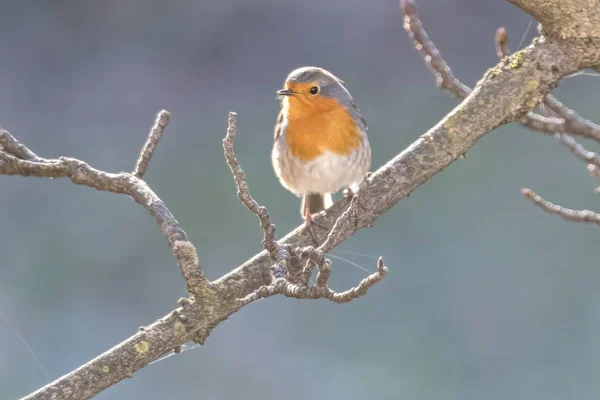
column 309, row 222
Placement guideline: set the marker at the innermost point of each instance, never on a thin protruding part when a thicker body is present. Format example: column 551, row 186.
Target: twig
column 542, row 124
column 243, row 192
column 338, row 226
column 435, row 62
column 154, row 136
column 12, row 146
column 279, row 253
column 578, row 150
column 566, row 213
column 574, row 124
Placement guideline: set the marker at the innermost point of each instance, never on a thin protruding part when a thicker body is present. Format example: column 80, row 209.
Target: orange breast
column 319, row 125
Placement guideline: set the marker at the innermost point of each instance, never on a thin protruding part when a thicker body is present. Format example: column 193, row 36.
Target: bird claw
column 349, row 193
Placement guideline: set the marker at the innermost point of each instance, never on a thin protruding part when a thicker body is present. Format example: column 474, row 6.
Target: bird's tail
column 315, row 203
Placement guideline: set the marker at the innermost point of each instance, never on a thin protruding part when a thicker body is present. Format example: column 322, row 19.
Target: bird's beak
column 285, row 92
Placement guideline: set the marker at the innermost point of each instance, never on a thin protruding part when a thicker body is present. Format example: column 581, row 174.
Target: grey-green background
column 488, row 297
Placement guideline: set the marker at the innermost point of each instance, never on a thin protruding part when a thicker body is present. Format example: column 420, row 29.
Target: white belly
column 327, row 173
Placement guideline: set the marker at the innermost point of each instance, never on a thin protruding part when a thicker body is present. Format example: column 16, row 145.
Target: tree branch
column 564, row 19
column 445, row 78
column 572, row 123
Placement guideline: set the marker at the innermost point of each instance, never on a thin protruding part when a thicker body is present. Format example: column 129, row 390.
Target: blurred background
column 487, row 296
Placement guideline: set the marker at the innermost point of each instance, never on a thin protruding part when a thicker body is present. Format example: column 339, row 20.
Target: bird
column 320, row 140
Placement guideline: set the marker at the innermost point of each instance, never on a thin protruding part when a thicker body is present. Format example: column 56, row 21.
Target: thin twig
column 154, row 136
column 12, row 146
column 569, row 122
column 435, row 62
column 280, row 254
column 578, row 150
column 574, row 124
column 344, row 219
column 363, row 286
column 243, row 192
column 566, row 213
column 541, row 124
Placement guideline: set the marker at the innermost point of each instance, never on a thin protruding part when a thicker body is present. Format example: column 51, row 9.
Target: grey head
column 329, row 85
column 325, row 83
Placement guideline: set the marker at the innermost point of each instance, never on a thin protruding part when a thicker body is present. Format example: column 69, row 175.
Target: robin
column 320, row 143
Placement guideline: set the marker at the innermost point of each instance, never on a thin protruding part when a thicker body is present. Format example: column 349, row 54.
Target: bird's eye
column 314, row 90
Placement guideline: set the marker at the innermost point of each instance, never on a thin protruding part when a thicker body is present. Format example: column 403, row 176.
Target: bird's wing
column 357, row 114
